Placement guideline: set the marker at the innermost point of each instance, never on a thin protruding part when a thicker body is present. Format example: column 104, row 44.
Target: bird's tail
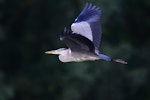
column 119, row 61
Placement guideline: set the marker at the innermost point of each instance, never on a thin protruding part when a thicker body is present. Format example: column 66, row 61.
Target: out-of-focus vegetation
column 30, row 27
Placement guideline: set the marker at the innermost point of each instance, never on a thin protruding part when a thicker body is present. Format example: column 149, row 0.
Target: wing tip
column 65, row 32
column 91, row 10
column 92, row 7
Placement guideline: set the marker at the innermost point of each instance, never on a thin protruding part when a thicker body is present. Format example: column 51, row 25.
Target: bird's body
column 77, row 56
column 83, row 39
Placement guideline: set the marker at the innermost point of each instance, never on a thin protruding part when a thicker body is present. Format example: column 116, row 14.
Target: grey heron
column 83, row 38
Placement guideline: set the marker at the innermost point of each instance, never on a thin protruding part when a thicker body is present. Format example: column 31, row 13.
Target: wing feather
column 77, row 42
column 87, row 24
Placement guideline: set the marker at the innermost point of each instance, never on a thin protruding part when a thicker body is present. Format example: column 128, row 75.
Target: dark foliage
column 28, row 28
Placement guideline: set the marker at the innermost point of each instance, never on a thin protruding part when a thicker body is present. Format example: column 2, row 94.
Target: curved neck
column 66, row 56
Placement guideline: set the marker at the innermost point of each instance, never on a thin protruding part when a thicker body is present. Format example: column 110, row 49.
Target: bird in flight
column 83, row 38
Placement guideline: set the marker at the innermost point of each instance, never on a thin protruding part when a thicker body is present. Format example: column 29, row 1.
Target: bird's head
column 58, row 51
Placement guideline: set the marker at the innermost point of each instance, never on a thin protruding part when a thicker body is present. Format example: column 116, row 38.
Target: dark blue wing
column 87, row 24
column 77, row 42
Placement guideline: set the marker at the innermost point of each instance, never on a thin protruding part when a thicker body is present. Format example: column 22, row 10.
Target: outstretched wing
column 87, row 24
column 77, row 42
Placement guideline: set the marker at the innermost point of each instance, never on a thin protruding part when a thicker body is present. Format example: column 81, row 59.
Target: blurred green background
column 28, row 28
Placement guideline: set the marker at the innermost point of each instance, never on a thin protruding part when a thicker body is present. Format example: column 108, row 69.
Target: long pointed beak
column 49, row 52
